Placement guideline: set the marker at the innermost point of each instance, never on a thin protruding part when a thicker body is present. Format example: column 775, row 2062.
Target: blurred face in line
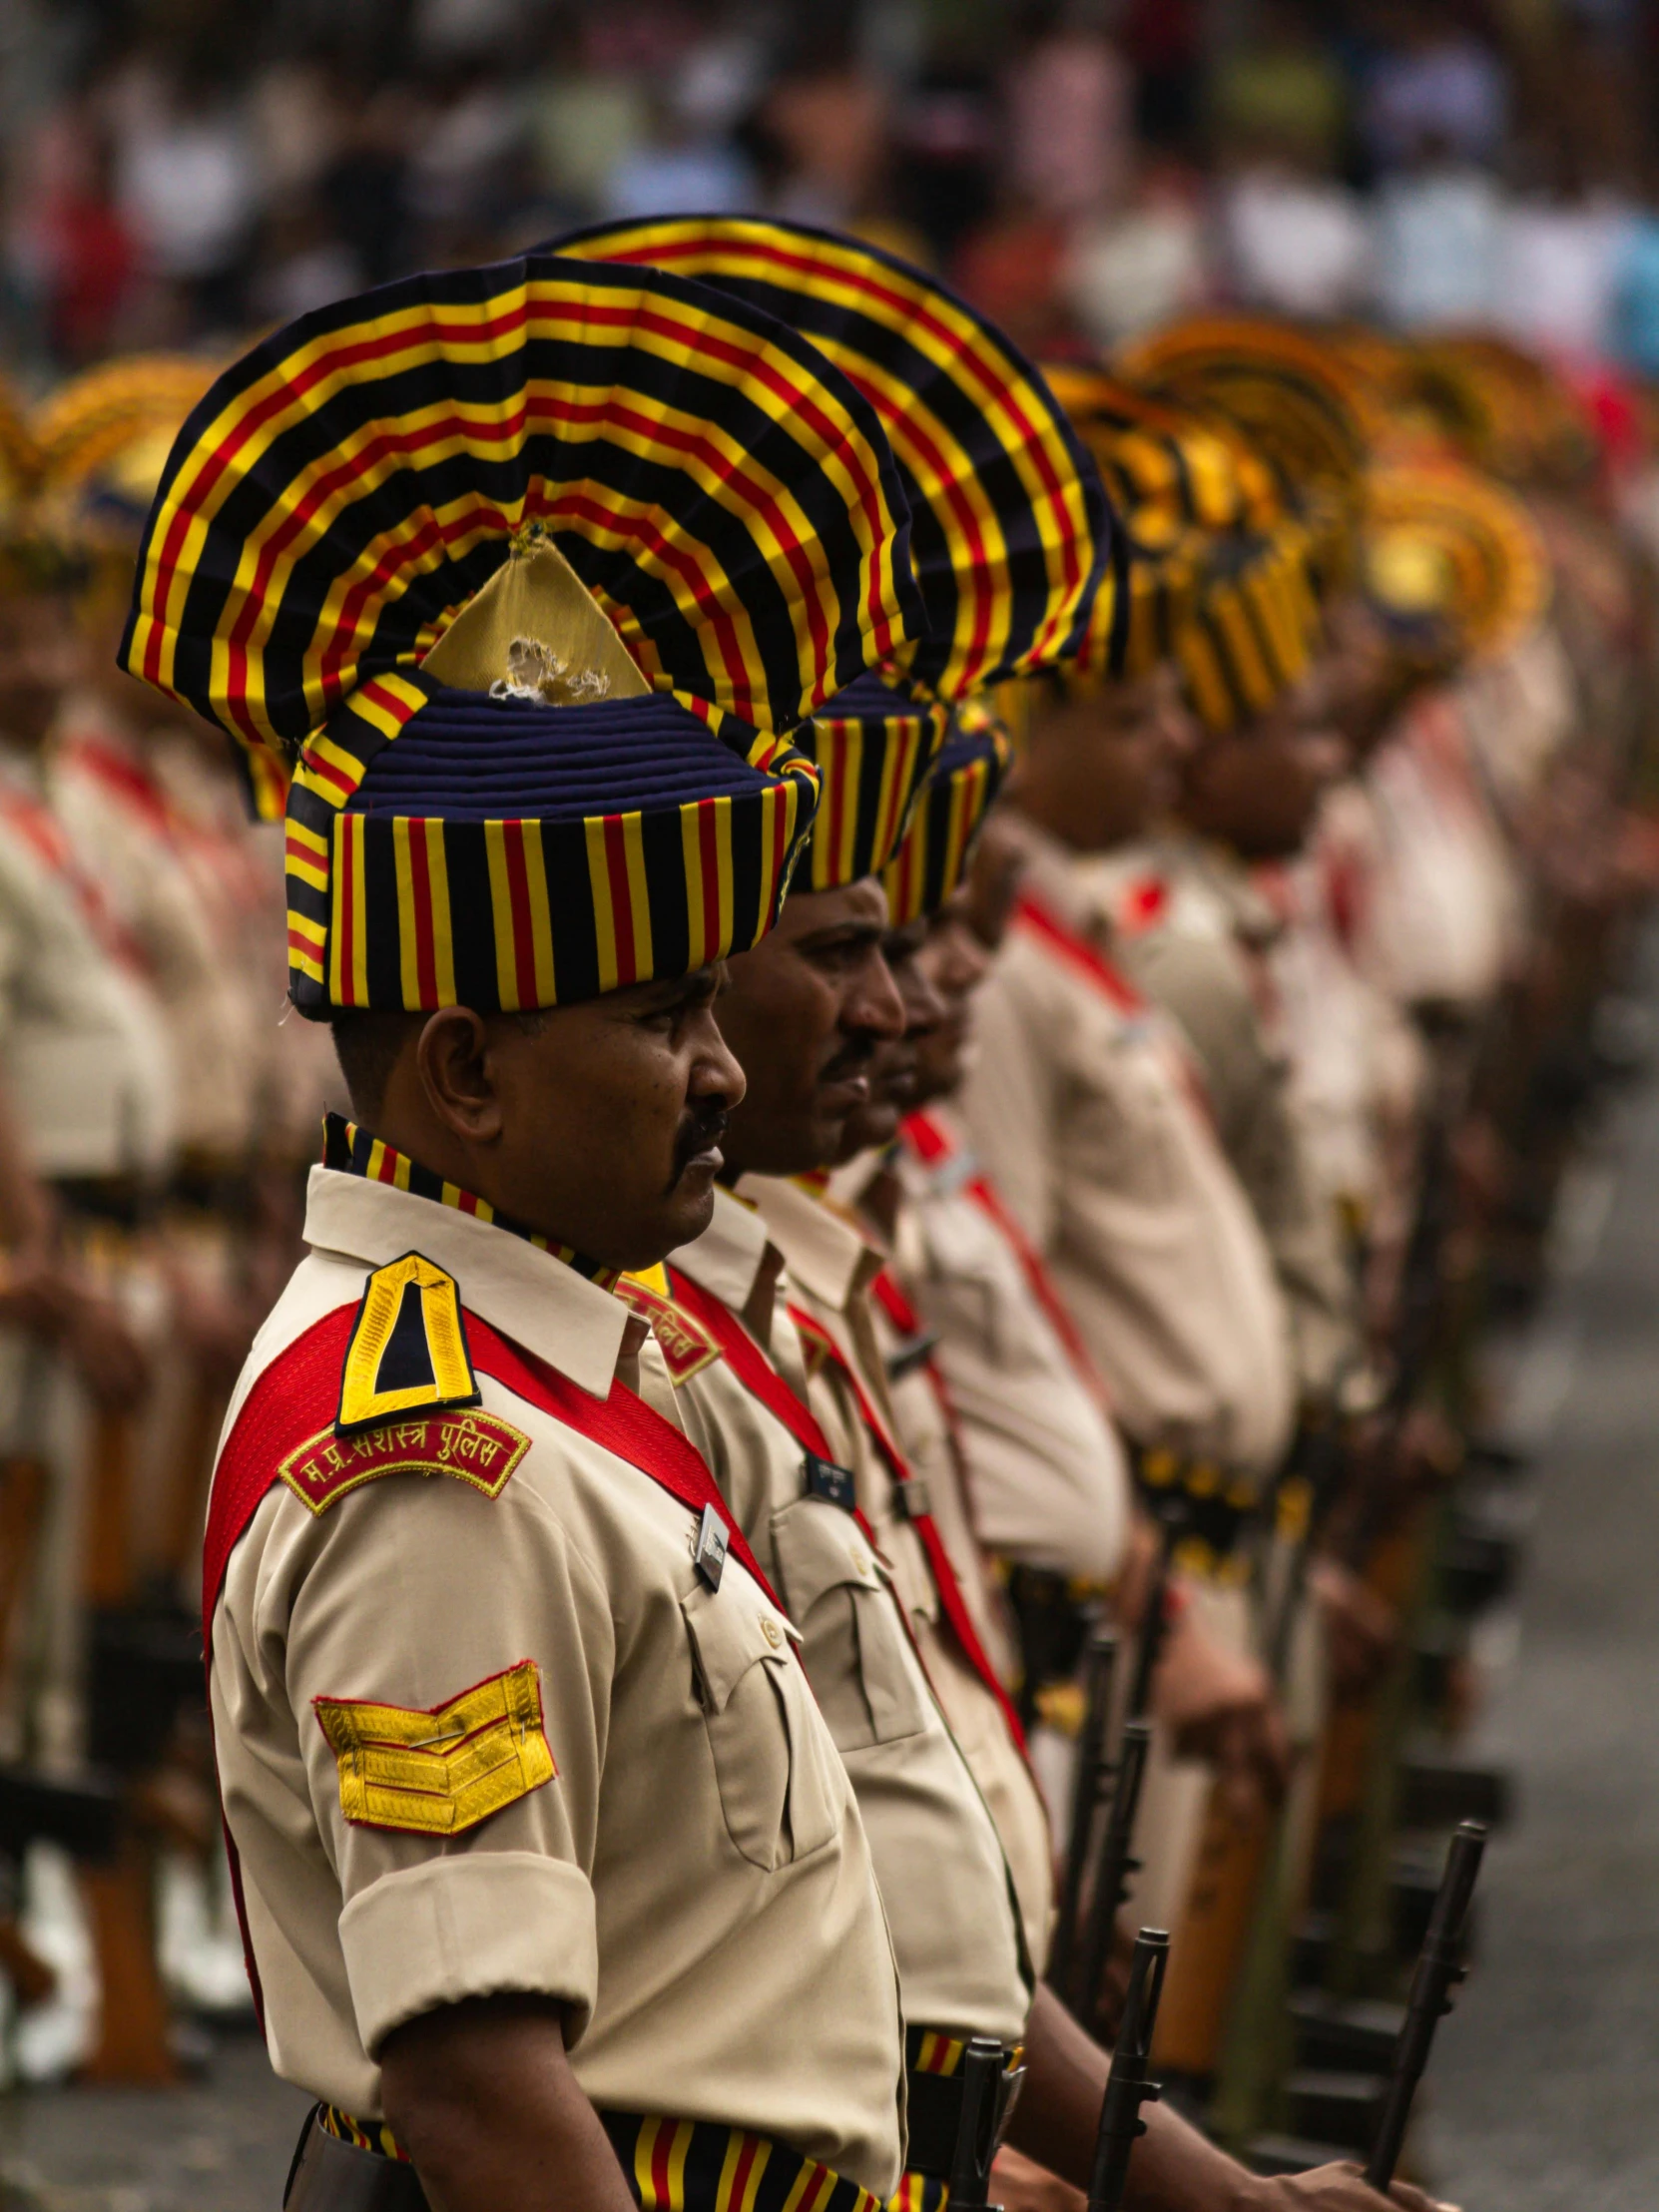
column 954, row 959
column 894, row 1069
column 806, row 1013
column 1257, row 788
column 1099, row 772
column 39, row 660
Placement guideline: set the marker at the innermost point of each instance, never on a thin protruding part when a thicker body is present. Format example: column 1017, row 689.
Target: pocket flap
column 818, row 1549
column 733, row 1629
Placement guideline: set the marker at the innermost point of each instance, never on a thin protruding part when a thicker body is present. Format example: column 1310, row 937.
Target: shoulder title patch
column 408, row 1351
column 440, row 1771
column 476, row 1448
column 686, row 1345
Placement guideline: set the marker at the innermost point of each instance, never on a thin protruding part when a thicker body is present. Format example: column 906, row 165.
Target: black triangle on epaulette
column 408, row 1350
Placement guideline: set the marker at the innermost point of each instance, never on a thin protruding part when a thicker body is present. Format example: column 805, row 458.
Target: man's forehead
column 862, row 905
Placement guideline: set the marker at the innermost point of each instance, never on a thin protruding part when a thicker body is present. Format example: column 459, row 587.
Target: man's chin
column 691, row 1208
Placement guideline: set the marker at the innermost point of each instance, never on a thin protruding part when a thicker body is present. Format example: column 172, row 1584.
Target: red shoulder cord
column 1089, row 960
column 932, row 1543
column 930, row 1145
column 298, row 1394
column 757, row 1374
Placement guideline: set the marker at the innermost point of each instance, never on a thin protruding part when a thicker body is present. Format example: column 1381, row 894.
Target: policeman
column 657, row 1963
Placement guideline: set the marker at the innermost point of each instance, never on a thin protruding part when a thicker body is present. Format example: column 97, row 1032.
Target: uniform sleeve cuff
column 470, row 1927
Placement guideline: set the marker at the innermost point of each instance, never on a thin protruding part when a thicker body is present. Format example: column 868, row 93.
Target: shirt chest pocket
column 865, row 1675
column 782, row 1790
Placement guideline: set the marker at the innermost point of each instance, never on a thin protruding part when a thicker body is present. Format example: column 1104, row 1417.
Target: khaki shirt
column 1049, row 1476
column 181, row 887
column 694, row 1883
column 831, row 1266
column 938, row 1859
column 1085, row 1116
column 1204, row 961
column 82, row 1049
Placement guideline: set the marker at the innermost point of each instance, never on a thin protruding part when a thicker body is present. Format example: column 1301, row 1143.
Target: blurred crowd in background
column 180, row 172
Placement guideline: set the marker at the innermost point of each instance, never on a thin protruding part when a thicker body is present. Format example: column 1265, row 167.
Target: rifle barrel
column 1114, row 1866
column 1127, row 2086
column 1099, row 1667
column 1438, row 1969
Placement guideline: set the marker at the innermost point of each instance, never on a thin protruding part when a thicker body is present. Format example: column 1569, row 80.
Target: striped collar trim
column 355, row 1151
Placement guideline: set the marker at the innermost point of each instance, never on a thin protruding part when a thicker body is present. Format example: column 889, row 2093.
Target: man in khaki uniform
column 774, row 1366
column 554, row 1883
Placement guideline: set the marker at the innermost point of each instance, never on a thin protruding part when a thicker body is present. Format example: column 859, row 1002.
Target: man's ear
column 453, row 1059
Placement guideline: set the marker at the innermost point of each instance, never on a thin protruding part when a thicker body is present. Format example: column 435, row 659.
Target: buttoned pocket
column 782, row 1791
column 867, row 1677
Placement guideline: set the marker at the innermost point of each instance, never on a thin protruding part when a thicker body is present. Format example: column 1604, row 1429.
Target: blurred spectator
column 1146, row 263
column 1069, row 123
column 821, row 133
column 188, row 180
column 947, row 139
column 1284, row 90
column 1437, row 240
column 1163, row 43
column 83, row 255
column 678, row 170
column 1436, row 84
column 1561, row 249
column 1296, row 243
column 304, row 263
column 1293, row 235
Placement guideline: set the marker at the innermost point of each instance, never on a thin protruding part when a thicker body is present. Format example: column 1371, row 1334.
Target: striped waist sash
column 679, row 2165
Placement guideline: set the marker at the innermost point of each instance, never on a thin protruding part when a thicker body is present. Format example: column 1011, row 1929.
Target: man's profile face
column 1109, row 763
column 954, row 960
column 39, row 658
column 804, row 1014
column 893, row 1075
column 609, row 1117
column 1259, row 788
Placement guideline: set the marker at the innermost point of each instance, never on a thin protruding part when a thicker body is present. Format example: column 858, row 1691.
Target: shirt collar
column 725, row 1259
column 831, row 1259
column 517, row 1284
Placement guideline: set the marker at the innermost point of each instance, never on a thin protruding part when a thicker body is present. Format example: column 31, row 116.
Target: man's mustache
column 701, row 1128
column 853, row 1058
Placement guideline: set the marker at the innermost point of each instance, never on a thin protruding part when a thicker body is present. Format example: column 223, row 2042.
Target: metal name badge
column 915, row 1352
column 710, row 1557
column 833, row 1483
column 911, row 1498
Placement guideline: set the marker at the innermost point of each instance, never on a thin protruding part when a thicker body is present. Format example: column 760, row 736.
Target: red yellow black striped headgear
column 872, row 745
column 103, row 439
column 1452, row 563
column 487, row 555
column 956, row 799
column 1011, row 531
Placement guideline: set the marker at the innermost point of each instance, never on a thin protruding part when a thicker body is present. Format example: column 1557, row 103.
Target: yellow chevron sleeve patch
column 440, row 1772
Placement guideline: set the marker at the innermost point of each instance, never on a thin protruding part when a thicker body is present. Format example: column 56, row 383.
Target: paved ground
column 1546, row 2091
column 1545, row 2086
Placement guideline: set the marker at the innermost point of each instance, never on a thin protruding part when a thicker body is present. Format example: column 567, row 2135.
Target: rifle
column 976, row 2130
column 1438, row 1969
column 1111, row 1880
column 1088, row 1788
column 1127, row 2084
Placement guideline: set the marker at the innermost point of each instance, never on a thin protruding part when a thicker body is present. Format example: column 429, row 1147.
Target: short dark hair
column 366, row 1045
column 367, row 1041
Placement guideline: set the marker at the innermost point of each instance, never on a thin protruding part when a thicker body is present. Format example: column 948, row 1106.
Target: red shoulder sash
column 297, row 1394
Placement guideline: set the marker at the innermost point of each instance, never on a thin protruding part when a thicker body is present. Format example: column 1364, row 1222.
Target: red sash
column 1109, row 979
column 758, row 1377
column 932, row 1543
column 298, row 1394
column 932, row 1144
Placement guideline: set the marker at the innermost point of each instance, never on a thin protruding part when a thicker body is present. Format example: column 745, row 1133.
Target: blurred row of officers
column 744, row 1345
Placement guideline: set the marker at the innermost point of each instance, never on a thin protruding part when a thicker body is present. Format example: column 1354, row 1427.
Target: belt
column 1215, row 1512
column 933, row 2081
column 348, row 2166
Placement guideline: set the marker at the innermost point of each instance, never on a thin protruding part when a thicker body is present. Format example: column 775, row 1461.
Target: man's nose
column 874, row 1005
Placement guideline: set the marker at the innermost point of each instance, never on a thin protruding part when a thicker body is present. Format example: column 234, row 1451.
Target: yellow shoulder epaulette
column 408, row 1351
